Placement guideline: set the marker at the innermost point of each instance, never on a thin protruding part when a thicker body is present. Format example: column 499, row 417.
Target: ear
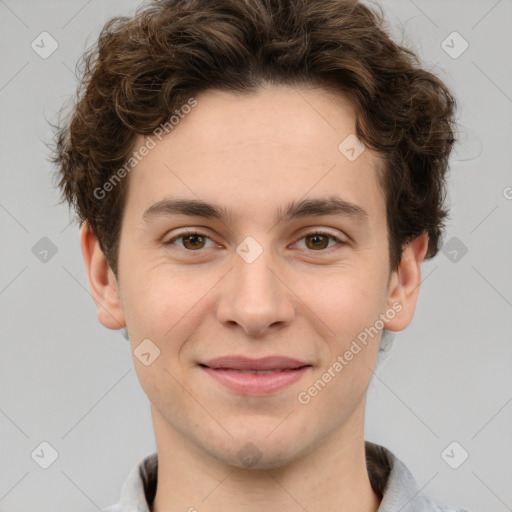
column 102, row 281
column 404, row 284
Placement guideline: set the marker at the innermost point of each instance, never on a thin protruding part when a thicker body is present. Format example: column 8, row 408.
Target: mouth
column 256, row 377
column 254, row 372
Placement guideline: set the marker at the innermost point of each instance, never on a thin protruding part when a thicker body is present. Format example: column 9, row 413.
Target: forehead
column 301, row 119
column 258, row 150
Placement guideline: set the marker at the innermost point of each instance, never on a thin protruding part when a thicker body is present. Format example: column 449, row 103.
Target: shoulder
column 139, row 488
column 112, row 508
column 436, row 507
column 396, row 486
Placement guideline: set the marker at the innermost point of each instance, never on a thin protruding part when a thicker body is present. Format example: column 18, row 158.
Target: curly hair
column 145, row 66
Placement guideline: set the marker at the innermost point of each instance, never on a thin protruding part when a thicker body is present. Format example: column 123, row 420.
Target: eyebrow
column 332, row 205
column 190, row 207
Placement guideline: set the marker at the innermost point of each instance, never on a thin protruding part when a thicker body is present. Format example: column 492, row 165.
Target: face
column 248, row 234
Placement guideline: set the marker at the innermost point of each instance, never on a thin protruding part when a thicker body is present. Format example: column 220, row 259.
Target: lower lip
column 256, row 384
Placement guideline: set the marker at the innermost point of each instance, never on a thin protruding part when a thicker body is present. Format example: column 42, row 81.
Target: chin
column 257, row 451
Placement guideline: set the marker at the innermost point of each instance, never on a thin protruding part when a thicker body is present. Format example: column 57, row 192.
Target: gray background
column 70, row 382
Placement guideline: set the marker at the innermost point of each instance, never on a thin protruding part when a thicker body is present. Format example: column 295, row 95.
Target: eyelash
column 313, row 233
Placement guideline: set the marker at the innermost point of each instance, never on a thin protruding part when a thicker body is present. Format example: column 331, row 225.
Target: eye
column 319, row 241
column 194, row 241
column 191, row 241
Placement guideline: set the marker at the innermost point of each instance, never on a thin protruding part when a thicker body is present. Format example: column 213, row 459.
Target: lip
column 246, row 363
column 227, row 371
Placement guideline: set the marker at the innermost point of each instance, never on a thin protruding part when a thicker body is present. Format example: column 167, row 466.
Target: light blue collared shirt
column 401, row 492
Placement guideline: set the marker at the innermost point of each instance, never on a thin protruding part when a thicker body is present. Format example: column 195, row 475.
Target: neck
column 331, row 476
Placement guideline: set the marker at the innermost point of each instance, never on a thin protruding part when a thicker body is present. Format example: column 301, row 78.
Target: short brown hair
column 144, row 67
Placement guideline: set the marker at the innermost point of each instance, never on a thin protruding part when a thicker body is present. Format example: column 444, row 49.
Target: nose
column 255, row 297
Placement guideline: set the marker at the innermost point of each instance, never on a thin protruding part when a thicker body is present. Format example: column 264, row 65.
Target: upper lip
column 246, row 363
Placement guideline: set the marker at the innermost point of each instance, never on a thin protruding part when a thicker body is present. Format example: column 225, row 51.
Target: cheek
column 350, row 304
column 167, row 306
column 346, row 300
column 153, row 296
column 161, row 307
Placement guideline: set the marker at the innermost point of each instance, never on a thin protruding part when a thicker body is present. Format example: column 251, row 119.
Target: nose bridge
column 254, row 277
column 255, row 299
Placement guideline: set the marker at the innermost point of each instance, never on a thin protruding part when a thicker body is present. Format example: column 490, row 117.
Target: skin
column 253, row 155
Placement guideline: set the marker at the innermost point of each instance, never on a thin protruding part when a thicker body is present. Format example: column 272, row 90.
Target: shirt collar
column 390, row 478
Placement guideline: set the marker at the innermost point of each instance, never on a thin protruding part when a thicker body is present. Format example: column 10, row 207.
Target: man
column 258, row 182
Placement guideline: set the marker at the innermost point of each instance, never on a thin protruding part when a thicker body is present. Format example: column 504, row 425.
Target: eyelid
column 318, row 231
column 187, row 232
column 324, row 232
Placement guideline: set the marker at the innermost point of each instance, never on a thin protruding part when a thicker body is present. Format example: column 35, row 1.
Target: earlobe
column 102, row 281
column 404, row 284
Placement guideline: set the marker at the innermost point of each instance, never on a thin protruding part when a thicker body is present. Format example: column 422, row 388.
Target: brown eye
column 193, row 242
column 317, row 241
